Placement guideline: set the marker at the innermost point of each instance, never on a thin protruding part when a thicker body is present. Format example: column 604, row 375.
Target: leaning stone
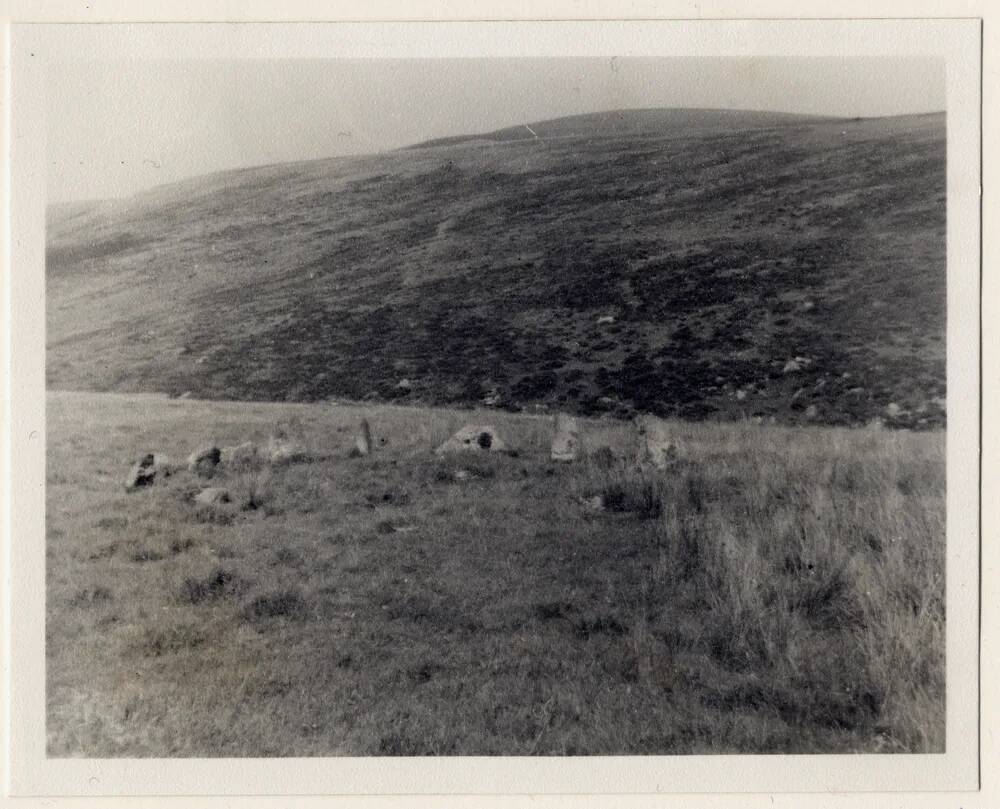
column 204, row 460
column 656, row 445
column 566, row 442
column 142, row 473
column 474, row 439
column 363, row 443
column 212, row 496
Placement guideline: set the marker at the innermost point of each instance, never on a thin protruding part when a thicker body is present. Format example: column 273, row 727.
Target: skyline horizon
column 119, row 127
column 430, row 143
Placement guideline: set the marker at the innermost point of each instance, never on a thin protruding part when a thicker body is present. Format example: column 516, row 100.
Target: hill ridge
column 676, row 272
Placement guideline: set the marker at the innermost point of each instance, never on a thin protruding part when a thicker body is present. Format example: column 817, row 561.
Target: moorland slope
column 672, row 261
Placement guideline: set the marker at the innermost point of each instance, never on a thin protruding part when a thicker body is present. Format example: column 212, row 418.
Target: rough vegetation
column 773, row 589
column 684, row 263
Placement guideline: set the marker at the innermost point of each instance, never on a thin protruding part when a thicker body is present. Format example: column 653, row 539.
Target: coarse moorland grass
column 775, row 590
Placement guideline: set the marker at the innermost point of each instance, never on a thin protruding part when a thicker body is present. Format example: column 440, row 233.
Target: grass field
column 777, row 590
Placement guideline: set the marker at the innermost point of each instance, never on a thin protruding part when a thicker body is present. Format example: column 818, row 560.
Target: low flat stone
column 284, row 450
column 212, row 496
column 474, row 438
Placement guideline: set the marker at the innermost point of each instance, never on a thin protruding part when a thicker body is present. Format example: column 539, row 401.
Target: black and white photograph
column 539, row 406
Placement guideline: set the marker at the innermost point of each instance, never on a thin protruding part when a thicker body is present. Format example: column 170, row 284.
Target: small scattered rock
column 605, row 320
column 741, row 395
column 566, row 442
column 892, row 410
column 812, row 411
column 404, row 385
column 808, row 306
column 474, row 439
column 186, row 395
column 212, row 496
column 791, row 367
column 204, row 460
column 593, row 503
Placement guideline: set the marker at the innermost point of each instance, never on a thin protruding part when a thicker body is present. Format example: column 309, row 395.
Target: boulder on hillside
column 566, row 441
column 655, row 441
column 203, row 461
column 243, row 454
column 474, row 439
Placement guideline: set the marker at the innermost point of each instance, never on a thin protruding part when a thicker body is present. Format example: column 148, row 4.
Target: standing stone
column 656, row 445
column 204, row 460
column 566, row 442
column 363, row 443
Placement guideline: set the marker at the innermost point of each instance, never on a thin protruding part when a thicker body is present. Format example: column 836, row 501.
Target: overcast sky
column 117, row 128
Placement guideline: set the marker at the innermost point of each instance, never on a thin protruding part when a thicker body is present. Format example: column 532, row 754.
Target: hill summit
column 690, row 263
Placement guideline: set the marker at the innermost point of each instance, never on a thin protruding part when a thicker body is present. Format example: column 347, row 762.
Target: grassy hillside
column 777, row 590
column 666, row 261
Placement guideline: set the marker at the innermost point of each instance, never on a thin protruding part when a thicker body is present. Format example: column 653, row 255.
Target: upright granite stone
column 656, row 445
column 566, row 441
column 363, row 444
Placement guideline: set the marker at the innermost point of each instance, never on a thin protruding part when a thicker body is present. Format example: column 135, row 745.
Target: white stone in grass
column 212, row 496
column 284, row 450
column 474, row 438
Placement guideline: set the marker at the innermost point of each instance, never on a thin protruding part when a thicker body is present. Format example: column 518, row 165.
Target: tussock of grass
column 283, row 604
column 220, row 583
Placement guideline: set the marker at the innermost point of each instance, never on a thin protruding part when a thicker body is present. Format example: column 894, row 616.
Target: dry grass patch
column 774, row 590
